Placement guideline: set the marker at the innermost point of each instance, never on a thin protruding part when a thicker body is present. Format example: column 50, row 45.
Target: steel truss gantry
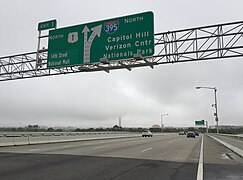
column 186, row 45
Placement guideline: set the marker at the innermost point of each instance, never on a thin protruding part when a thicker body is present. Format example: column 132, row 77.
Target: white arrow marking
column 97, row 30
column 85, row 31
column 87, row 43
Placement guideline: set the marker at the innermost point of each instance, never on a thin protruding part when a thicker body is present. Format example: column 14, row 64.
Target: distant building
column 33, row 127
column 156, row 126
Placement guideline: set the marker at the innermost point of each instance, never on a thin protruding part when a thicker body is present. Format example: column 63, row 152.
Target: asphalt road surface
column 169, row 156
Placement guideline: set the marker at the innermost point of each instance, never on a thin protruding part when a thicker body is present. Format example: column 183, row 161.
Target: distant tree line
column 119, row 128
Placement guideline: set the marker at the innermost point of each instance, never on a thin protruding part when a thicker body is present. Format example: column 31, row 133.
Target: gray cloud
column 140, row 96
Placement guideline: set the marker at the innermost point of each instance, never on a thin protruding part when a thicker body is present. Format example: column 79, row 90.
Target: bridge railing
column 235, row 137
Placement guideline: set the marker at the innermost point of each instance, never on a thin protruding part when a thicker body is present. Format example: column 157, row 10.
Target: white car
column 147, row 133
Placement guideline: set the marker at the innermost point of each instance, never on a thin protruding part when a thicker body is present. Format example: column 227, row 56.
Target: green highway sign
column 47, row 25
column 199, row 122
column 113, row 39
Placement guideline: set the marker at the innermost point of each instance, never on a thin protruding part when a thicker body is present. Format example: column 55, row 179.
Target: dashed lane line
column 66, row 146
column 148, row 149
column 100, row 147
column 87, row 144
column 31, row 150
column 171, row 141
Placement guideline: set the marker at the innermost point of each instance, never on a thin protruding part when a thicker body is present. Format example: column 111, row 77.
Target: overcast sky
column 97, row 99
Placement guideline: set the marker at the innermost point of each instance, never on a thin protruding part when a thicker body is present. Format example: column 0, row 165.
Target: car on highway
column 147, row 133
column 190, row 134
column 196, row 133
column 182, row 133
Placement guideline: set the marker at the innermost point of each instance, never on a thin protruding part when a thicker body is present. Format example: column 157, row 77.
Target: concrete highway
column 167, row 156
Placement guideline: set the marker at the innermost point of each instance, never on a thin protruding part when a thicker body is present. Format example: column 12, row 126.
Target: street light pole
column 216, row 110
column 162, row 125
column 215, row 105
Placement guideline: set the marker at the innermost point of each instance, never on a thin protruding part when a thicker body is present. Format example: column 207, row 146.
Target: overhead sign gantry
column 210, row 42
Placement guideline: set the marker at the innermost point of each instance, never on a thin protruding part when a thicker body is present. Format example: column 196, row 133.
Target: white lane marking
column 31, row 150
column 148, row 149
column 200, row 163
column 171, row 141
column 87, row 144
column 102, row 142
column 100, row 147
column 113, row 141
column 66, row 146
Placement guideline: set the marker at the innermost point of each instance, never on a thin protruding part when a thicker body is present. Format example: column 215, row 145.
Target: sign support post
column 41, row 27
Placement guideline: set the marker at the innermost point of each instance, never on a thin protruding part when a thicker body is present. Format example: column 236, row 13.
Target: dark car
column 190, row 134
column 196, row 133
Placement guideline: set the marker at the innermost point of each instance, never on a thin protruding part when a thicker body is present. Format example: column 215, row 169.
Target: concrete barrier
column 230, row 146
column 20, row 138
column 236, row 137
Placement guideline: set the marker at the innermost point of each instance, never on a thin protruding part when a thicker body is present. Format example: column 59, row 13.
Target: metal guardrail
column 27, row 138
column 19, row 134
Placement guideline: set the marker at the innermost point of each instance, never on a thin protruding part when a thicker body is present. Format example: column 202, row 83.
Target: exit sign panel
column 199, row 122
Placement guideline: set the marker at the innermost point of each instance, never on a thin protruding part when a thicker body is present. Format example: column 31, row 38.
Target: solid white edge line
column 200, row 163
